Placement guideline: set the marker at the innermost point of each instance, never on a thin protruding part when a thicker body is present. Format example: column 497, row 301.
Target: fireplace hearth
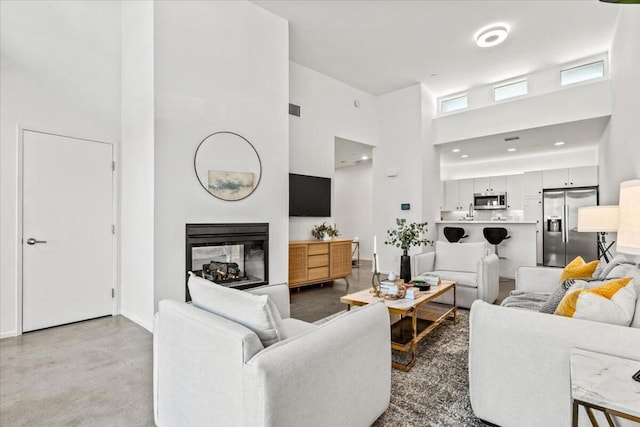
column 232, row 255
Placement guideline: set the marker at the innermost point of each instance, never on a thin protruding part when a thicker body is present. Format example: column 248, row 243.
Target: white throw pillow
column 459, row 256
column 256, row 312
column 614, row 302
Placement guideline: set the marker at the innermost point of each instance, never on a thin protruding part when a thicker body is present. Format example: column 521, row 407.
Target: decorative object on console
column 629, row 219
column 404, row 237
column 227, row 165
column 601, row 220
column 325, row 231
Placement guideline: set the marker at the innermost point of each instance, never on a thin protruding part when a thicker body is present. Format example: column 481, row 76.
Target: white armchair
column 209, row 370
column 476, row 273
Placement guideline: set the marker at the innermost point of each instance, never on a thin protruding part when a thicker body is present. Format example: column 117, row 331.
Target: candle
column 375, row 258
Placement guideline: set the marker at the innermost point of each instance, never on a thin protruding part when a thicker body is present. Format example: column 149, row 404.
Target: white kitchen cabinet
column 492, row 184
column 585, row 176
column 466, row 193
column 514, row 191
column 533, row 212
column 458, row 194
column 532, row 184
column 451, row 195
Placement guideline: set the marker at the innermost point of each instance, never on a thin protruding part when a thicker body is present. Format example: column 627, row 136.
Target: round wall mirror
column 227, row 166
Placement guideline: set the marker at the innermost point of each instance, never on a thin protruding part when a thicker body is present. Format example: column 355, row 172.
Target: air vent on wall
column 294, row 110
column 511, row 138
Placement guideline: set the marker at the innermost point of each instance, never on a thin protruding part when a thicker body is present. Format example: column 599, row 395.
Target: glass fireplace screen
column 233, row 265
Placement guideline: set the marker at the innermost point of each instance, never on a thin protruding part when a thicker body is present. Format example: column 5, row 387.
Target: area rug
column 435, row 392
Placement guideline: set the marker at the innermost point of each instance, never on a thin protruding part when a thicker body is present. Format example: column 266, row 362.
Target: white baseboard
column 9, row 334
column 138, row 320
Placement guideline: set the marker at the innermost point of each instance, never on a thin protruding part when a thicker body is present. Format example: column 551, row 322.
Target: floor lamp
column 601, row 220
column 629, row 218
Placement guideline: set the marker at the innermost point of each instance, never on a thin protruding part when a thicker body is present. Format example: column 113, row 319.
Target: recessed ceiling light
column 511, row 149
column 365, row 158
column 464, row 156
column 559, row 143
column 455, row 150
column 492, row 35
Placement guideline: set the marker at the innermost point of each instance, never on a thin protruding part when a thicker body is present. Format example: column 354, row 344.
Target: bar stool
column 454, row 234
column 495, row 236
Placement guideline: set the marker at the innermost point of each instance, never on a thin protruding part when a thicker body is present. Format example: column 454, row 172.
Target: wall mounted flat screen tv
column 309, row 196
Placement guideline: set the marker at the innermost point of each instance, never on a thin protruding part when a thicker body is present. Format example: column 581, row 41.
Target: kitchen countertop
column 485, row 222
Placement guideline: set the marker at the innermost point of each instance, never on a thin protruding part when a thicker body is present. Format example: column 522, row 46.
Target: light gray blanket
column 526, row 300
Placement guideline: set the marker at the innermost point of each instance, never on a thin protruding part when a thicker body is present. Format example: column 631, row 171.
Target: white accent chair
column 209, row 370
column 476, row 273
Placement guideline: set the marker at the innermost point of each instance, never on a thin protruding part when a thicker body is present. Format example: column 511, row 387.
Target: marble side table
column 603, row 382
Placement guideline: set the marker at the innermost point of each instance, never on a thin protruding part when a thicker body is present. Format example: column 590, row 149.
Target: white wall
column 619, row 154
column 353, row 200
column 219, row 66
column 327, row 111
column 135, row 165
column 538, row 82
column 572, row 103
column 401, row 141
column 59, row 71
column 432, row 186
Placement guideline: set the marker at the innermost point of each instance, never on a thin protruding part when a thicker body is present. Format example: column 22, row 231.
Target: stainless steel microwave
column 489, row 201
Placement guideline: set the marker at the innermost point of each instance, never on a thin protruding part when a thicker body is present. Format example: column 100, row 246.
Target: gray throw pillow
column 556, row 296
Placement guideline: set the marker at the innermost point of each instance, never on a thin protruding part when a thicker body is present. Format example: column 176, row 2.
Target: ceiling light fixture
column 511, row 149
column 365, row 158
column 464, row 156
column 492, row 35
column 558, row 143
column 455, row 150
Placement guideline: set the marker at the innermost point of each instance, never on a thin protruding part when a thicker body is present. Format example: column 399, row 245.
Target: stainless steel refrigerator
column 561, row 241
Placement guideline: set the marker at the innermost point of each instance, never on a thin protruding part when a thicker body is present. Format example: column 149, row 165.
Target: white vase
column 325, row 238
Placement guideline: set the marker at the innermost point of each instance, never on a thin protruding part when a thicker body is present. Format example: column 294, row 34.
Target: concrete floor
column 92, row 373
column 99, row 372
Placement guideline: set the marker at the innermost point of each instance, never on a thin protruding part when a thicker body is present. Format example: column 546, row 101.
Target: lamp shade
column 600, row 219
column 629, row 218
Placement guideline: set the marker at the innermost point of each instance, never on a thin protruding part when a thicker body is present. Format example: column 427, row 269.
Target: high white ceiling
column 536, row 141
column 381, row 46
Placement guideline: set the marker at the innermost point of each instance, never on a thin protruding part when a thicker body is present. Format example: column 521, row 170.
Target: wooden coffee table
column 410, row 328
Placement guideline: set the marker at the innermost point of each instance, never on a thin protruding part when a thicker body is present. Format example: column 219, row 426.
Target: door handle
column 32, row 241
column 566, row 223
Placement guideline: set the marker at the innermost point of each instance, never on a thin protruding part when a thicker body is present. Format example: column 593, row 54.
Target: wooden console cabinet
column 318, row 261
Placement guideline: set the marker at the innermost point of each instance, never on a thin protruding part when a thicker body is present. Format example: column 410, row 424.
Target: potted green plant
column 325, row 231
column 405, row 236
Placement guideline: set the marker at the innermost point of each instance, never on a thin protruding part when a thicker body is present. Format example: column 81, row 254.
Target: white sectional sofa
column 469, row 264
column 519, row 366
column 209, row 370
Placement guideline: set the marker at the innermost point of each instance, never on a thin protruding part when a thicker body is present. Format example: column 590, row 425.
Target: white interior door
column 67, row 273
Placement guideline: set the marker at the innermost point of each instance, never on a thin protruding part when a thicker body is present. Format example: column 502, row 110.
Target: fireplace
column 232, row 255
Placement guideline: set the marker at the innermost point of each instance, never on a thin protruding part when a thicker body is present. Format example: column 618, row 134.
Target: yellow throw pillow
column 614, row 302
column 578, row 269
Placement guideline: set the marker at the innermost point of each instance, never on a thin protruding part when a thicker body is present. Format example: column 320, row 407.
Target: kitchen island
column 519, row 250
